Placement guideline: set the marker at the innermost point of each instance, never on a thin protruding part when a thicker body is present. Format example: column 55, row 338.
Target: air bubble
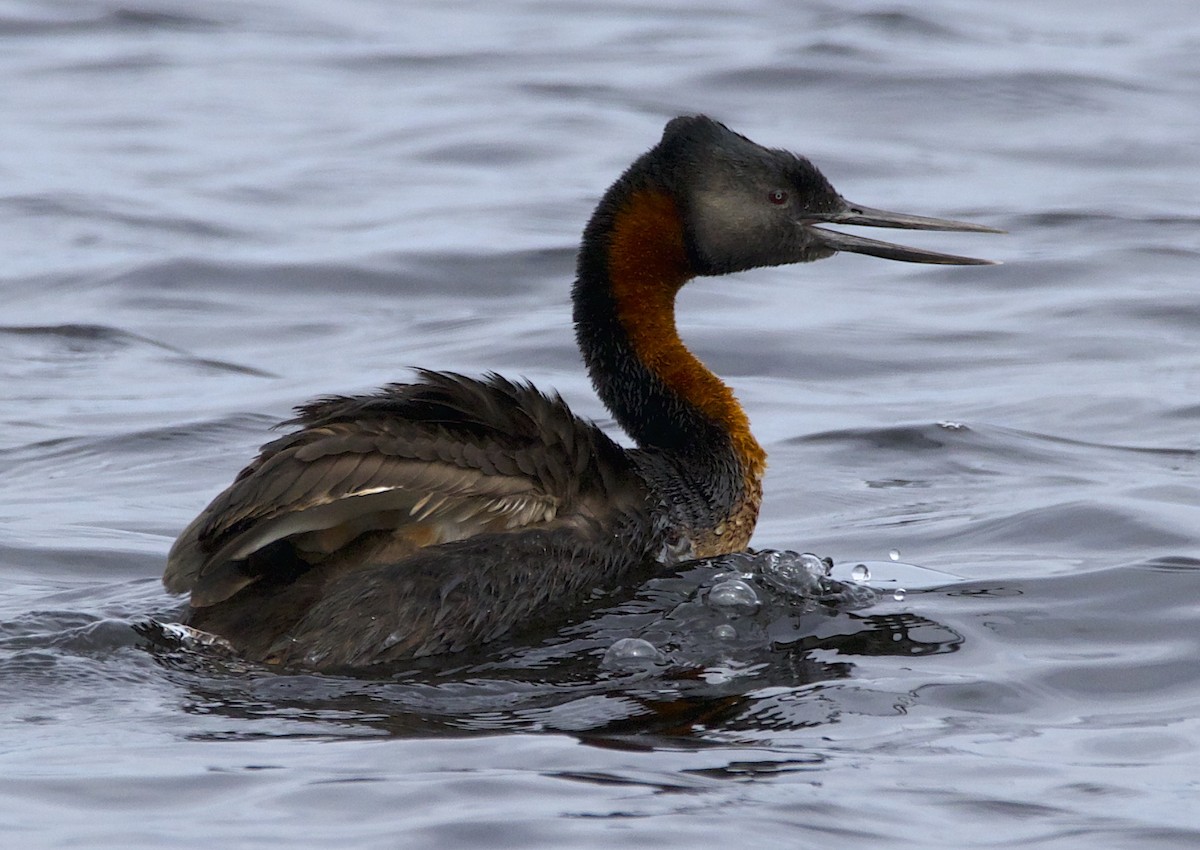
column 860, row 573
column 632, row 652
column 894, row 554
column 797, row 575
column 814, row 565
column 724, row 632
column 733, row 596
column 899, row 594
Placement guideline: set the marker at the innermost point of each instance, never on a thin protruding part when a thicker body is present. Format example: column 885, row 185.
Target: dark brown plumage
column 442, row 514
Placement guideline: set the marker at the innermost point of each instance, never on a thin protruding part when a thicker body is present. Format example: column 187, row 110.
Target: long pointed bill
column 867, row 217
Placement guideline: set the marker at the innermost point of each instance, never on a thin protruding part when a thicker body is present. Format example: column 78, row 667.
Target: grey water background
column 212, row 211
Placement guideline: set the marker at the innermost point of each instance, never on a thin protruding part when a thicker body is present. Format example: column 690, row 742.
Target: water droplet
column 894, row 554
column 724, row 632
column 632, row 652
column 899, row 594
column 733, row 596
column 860, row 573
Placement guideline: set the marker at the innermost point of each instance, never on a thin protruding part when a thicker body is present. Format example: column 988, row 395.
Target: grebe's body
column 439, row 515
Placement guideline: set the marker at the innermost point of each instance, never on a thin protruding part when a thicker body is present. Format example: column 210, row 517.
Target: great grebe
column 439, row 515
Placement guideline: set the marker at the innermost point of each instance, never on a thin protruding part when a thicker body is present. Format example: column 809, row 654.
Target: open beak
column 867, row 217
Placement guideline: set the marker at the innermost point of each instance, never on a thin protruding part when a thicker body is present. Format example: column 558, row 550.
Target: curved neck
column 632, row 263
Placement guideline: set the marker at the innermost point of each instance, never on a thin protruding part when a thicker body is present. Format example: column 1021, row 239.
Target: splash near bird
column 436, row 516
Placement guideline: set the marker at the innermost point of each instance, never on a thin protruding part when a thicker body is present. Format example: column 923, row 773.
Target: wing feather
column 439, row 460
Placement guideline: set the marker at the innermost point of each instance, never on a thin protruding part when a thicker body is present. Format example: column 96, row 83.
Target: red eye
column 777, row 196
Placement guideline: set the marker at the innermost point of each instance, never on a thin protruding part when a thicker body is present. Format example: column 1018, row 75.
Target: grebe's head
column 744, row 205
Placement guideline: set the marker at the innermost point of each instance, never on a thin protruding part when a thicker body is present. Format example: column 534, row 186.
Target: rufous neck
column 633, row 262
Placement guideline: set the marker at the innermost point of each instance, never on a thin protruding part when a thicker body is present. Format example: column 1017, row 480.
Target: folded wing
column 372, row 479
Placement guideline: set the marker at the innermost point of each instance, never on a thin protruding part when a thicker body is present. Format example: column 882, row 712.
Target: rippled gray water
column 210, row 212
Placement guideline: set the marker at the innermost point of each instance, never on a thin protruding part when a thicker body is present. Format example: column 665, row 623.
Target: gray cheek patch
column 728, row 227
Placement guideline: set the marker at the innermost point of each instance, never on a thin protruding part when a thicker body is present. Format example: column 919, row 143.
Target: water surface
column 211, row 212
